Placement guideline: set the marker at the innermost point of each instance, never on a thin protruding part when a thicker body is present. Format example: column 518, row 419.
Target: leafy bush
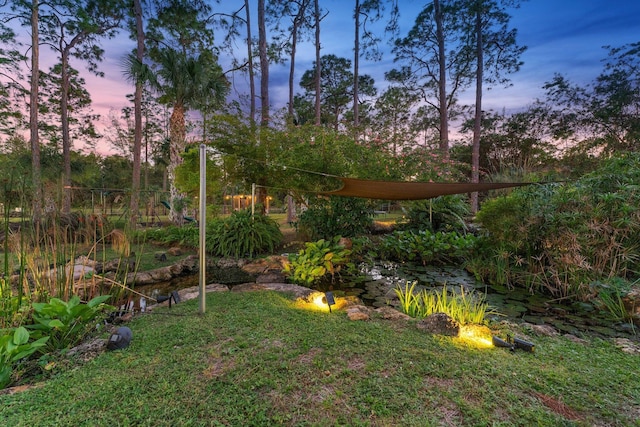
column 444, row 213
column 344, row 216
column 465, row 308
column 243, row 235
column 317, row 260
column 15, row 346
column 187, row 235
column 560, row 238
column 427, row 247
column 66, row 323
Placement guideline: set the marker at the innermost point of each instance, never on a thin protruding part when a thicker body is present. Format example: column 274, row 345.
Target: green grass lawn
column 258, row 359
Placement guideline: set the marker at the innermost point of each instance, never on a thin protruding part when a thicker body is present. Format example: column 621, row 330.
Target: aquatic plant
column 465, row 307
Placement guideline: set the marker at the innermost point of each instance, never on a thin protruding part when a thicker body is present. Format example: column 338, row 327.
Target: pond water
column 519, row 305
column 376, row 283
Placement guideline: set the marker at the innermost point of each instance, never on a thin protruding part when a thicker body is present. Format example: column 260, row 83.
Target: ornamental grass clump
column 465, row 307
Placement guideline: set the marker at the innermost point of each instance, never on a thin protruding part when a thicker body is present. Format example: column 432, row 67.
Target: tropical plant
column 66, row 323
column 610, row 297
column 243, row 234
column 15, row 346
column 317, row 260
column 444, row 213
column 427, row 247
column 560, row 238
column 464, row 307
column 344, row 216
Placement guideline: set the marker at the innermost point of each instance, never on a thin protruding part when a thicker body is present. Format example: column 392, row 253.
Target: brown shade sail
column 401, row 190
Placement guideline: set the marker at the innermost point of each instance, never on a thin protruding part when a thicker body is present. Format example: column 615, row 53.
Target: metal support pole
column 203, row 226
column 253, row 199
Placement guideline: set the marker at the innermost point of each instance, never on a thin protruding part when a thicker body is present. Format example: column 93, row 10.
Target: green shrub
column 464, row 307
column 187, row 235
column 426, row 247
column 343, row 216
column 15, row 346
column 66, row 323
column 444, row 213
column 560, row 238
column 243, row 235
column 317, row 261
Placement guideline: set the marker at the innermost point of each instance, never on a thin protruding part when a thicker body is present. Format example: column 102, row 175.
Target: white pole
column 203, row 226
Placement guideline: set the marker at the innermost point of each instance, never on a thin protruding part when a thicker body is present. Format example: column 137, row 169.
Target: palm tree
column 185, row 82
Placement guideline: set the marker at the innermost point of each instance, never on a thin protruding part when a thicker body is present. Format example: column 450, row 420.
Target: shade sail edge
column 402, row 190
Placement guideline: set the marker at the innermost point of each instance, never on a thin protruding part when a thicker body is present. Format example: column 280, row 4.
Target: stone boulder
column 439, row 324
column 631, row 303
column 390, row 313
column 358, row 312
column 188, row 265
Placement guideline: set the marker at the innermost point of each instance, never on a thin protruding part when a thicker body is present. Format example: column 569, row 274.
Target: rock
column 627, row 346
column 546, row 330
column 271, row 263
column 175, row 251
column 358, row 312
column 439, row 324
column 88, row 350
column 164, row 274
column 390, row 313
column 631, row 303
column 161, row 256
column 275, row 277
column 575, row 339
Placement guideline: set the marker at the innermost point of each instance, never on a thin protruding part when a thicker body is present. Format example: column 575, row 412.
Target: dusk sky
column 562, row 36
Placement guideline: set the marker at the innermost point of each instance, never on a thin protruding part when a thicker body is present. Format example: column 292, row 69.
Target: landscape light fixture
column 328, row 296
column 172, row 296
column 513, row 344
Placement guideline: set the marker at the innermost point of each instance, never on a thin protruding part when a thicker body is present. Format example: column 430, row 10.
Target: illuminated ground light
column 476, row 336
column 317, row 301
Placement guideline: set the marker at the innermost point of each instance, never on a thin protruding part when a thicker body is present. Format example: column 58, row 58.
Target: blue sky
column 562, row 36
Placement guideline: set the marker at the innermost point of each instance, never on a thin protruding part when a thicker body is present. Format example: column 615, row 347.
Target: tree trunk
column 177, row 135
column 475, row 152
column 137, row 137
column 442, row 87
column 33, row 119
column 318, row 64
column 252, row 83
column 292, row 65
column 264, row 65
column 356, row 66
column 64, row 123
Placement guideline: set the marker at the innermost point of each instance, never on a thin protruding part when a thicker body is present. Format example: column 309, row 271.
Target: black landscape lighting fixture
column 172, row 296
column 513, row 344
column 328, row 296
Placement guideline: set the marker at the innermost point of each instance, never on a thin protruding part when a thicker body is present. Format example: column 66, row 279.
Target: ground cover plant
column 258, row 359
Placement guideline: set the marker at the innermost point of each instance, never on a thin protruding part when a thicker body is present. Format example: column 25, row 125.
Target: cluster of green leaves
column 465, row 308
column 57, row 325
column 564, row 239
column 317, row 261
column 344, row 216
column 243, row 235
column 15, row 346
column 66, row 323
column 186, row 235
column 444, row 213
column 427, row 247
column 610, row 297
